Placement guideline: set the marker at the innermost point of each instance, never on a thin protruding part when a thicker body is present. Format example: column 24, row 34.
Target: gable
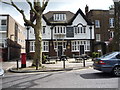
column 79, row 19
column 80, row 15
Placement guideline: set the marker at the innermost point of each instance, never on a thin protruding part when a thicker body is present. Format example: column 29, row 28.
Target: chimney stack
column 86, row 9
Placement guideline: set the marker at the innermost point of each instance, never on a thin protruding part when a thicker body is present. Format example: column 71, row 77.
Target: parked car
column 1, row 72
column 108, row 63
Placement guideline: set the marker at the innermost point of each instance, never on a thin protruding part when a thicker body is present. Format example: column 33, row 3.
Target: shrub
column 95, row 54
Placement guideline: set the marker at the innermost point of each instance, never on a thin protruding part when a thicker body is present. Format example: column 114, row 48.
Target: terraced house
column 64, row 33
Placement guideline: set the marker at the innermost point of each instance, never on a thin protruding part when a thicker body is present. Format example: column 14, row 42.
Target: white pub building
column 64, row 33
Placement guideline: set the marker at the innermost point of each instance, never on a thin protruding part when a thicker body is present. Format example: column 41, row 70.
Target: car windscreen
column 109, row 55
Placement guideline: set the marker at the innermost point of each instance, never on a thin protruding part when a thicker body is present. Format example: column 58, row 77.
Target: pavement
column 51, row 66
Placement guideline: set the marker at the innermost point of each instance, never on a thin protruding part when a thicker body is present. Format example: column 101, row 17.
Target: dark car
column 108, row 63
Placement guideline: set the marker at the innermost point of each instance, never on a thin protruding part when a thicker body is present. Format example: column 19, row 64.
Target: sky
column 55, row 5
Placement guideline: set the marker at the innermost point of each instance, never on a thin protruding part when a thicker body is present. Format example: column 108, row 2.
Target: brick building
column 103, row 21
column 12, row 38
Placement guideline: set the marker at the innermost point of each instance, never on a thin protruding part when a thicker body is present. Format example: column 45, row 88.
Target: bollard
column 17, row 64
column 83, row 62
column 63, row 63
column 63, row 59
column 37, row 64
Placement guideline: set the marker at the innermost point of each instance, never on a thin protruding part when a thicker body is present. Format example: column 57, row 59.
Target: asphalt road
column 85, row 78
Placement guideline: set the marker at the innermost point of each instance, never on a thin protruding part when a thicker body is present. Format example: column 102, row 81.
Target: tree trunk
column 38, row 42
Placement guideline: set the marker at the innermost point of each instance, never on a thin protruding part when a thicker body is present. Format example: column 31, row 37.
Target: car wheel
column 116, row 71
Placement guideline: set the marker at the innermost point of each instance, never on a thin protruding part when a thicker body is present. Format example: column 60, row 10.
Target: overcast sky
column 57, row 5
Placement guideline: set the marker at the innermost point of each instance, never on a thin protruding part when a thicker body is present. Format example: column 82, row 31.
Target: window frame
column 59, row 17
column 75, row 45
column 32, row 46
column 5, row 23
column 111, row 22
column 45, row 45
column 97, row 23
column 98, row 37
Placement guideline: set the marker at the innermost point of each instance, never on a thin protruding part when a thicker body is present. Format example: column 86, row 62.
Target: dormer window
column 59, row 17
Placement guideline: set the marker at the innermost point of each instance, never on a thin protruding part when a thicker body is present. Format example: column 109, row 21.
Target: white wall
column 77, row 20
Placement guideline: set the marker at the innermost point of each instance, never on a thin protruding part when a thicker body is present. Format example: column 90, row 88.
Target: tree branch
column 6, row 3
column 21, row 11
column 38, row 3
column 30, row 4
column 45, row 3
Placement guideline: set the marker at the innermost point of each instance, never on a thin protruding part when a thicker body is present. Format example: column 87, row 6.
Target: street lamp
column 27, row 41
column 51, row 41
column 90, row 32
column 28, row 28
column 91, row 49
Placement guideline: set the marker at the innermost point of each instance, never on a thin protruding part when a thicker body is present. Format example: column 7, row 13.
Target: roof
column 48, row 17
column 82, row 14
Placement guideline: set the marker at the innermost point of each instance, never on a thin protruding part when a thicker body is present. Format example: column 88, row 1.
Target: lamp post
column 51, row 40
column 27, row 40
column 91, row 49
column 27, row 27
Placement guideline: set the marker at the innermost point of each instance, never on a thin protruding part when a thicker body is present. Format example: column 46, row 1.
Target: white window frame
column 111, row 22
column 79, row 30
column 60, row 30
column 32, row 46
column 97, row 23
column 98, row 37
column 75, row 30
column 76, row 44
column 59, row 17
column 111, row 34
column 87, row 46
column 45, row 45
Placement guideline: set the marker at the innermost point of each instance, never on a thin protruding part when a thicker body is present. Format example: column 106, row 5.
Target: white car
column 1, row 72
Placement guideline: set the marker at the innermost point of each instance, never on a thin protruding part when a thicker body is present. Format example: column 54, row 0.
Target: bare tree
column 37, row 8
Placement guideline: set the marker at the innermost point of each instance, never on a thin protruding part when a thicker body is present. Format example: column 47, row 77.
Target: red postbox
column 23, row 60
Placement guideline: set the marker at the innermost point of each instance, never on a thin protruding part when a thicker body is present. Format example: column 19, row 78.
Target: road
column 85, row 78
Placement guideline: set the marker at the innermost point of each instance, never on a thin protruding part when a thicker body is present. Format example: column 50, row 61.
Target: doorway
column 59, row 51
column 82, row 50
